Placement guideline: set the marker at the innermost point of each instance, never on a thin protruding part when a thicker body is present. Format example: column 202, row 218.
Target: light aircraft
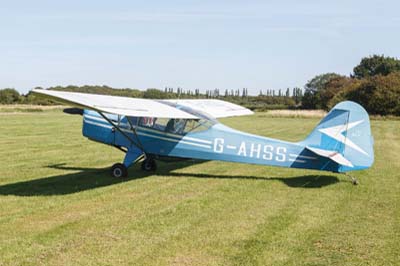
column 150, row 130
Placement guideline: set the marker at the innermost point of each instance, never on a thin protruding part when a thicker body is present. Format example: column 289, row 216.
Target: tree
column 346, row 87
column 9, row 96
column 297, row 95
column 379, row 94
column 311, row 98
column 154, row 94
column 332, row 88
column 376, row 65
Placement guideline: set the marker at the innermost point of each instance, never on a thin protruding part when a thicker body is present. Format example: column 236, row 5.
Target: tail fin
column 344, row 136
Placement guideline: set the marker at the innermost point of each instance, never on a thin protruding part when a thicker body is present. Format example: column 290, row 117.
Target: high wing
column 215, row 108
column 117, row 105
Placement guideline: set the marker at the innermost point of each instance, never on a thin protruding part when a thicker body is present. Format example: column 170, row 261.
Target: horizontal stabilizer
column 333, row 155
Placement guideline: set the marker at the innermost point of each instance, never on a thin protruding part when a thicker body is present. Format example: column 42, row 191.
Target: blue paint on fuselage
column 219, row 142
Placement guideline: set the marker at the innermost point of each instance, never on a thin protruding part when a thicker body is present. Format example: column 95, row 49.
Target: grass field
column 58, row 205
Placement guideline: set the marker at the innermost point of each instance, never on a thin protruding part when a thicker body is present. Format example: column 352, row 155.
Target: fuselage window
column 176, row 126
column 154, row 123
column 197, row 125
column 161, row 124
column 147, row 121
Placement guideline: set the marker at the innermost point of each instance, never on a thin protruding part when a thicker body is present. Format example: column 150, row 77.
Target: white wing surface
column 117, row 105
column 215, row 108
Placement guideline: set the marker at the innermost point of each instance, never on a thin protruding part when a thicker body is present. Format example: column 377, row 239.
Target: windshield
column 177, row 125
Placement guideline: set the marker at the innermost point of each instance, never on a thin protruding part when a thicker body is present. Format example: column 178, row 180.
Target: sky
column 190, row 44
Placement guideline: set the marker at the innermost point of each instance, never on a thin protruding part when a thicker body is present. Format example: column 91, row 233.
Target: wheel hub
column 117, row 172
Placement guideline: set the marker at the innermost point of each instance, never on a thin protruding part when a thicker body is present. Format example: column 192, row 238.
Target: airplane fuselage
column 215, row 142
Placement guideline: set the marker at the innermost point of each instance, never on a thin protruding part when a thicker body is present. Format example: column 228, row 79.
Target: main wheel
column 149, row 165
column 119, row 170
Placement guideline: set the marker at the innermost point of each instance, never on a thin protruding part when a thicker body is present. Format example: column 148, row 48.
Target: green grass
column 58, row 205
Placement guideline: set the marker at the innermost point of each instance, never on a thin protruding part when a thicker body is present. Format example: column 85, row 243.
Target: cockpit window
column 197, row 125
column 179, row 126
column 161, row 124
column 175, row 126
column 147, row 121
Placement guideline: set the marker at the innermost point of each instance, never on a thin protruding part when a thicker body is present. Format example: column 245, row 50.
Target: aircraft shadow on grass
column 91, row 178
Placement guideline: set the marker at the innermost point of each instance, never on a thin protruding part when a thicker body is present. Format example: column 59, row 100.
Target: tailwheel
column 119, row 170
column 149, row 164
column 354, row 181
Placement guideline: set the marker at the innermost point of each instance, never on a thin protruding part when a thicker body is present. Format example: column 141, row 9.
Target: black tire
column 149, row 165
column 119, row 170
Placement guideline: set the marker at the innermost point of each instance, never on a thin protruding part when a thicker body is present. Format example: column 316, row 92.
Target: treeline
column 266, row 100
column 375, row 84
column 12, row 96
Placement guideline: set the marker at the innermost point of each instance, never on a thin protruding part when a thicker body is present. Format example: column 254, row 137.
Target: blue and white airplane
column 150, row 130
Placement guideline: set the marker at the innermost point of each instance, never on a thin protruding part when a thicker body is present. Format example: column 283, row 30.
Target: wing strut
column 134, row 132
column 137, row 144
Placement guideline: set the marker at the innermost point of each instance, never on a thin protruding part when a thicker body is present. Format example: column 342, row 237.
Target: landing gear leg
column 149, row 164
